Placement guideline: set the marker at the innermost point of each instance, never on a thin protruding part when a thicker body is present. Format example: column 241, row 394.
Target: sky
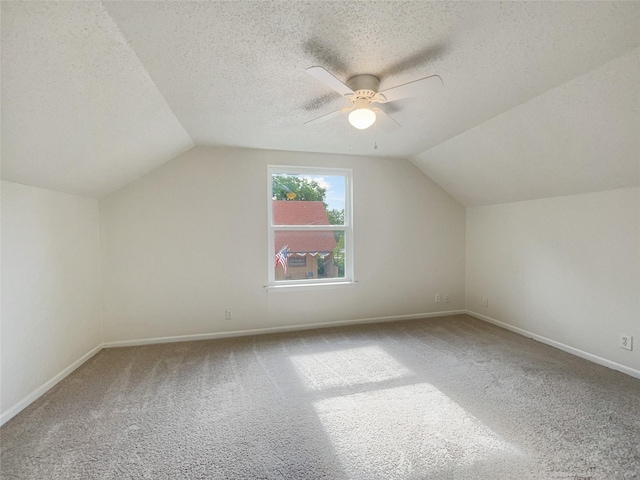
column 335, row 190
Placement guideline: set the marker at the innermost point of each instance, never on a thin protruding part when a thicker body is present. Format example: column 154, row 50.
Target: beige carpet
column 447, row 398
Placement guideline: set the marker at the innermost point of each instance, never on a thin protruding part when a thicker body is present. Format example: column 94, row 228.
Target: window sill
column 306, row 287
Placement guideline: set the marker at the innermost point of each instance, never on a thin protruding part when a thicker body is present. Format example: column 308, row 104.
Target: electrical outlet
column 485, row 302
column 626, row 342
column 446, row 299
column 228, row 315
column 437, row 297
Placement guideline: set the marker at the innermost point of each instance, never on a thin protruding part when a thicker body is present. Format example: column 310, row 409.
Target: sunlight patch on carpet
column 343, row 368
column 416, row 428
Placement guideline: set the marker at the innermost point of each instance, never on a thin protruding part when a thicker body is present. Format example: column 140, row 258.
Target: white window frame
column 347, row 228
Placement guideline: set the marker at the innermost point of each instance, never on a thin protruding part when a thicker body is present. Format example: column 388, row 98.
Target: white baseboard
column 45, row 387
column 287, row 328
column 561, row 346
column 38, row 392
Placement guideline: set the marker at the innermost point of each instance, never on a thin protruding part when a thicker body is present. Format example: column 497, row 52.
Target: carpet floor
column 444, row 398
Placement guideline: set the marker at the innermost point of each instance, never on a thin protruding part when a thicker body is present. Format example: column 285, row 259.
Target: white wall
column 564, row 268
column 51, row 289
column 189, row 240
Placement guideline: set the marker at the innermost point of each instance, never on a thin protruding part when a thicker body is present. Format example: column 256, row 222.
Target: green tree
column 336, row 217
column 305, row 190
column 338, row 253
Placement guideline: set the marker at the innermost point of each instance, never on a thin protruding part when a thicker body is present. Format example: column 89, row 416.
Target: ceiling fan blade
column 329, row 80
column 386, row 122
column 411, row 89
column 327, row 116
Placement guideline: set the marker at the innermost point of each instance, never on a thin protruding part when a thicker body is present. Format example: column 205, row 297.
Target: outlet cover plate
column 626, row 342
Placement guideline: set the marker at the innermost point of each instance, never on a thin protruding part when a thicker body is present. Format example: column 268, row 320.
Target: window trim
column 347, row 228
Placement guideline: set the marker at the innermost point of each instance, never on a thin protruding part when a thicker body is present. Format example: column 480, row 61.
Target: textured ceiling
column 580, row 137
column 80, row 114
column 95, row 94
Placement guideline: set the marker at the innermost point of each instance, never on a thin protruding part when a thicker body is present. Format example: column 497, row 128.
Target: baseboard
column 287, row 328
column 561, row 346
column 44, row 388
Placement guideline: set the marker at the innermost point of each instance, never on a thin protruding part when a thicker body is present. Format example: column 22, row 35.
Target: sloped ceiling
column 95, row 94
column 80, row 113
column 583, row 136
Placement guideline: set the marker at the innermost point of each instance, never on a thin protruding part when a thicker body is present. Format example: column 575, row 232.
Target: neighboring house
column 309, row 254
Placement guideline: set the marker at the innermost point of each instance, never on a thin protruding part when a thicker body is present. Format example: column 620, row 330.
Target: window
column 310, row 226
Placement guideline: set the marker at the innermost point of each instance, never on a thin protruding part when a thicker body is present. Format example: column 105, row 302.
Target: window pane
column 310, row 225
column 309, row 254
column 308, row 199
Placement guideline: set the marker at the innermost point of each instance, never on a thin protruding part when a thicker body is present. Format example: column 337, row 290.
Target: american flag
column 281, row 257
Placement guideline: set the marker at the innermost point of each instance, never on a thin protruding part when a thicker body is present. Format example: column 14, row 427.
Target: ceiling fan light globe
column 362, row 118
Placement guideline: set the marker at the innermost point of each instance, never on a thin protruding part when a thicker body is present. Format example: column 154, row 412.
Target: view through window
column 310, row 225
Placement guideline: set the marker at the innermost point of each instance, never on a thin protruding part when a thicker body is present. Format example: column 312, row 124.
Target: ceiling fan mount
column 364, row 86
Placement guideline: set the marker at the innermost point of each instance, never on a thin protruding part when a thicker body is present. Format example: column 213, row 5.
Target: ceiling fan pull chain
column 375, row 136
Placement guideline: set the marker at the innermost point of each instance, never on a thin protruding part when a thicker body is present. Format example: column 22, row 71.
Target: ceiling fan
column 362, row 92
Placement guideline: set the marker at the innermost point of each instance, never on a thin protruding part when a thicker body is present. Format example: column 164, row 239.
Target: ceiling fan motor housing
column 365, row 86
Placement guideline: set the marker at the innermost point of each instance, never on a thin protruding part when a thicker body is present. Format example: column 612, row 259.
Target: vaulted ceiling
column 539, row 98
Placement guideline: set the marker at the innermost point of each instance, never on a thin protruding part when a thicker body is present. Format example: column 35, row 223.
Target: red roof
column 302, row 213
column 295, row 212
